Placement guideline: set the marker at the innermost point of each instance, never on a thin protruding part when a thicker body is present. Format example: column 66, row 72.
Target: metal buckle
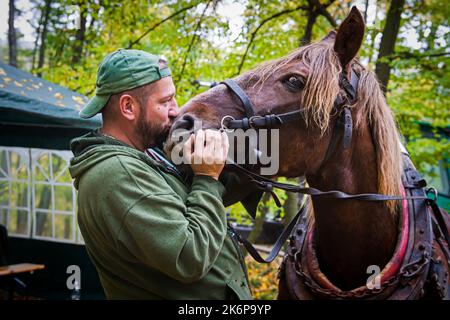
column 250, row 121
column 435, row 193
column 223, row 125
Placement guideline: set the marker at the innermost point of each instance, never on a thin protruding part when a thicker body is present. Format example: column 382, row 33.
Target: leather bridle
column 274, row 120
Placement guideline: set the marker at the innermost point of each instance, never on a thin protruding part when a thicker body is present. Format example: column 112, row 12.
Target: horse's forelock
column 319, row 94
column 322, row 83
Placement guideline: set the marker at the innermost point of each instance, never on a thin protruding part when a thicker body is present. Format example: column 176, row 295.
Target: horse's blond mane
column 321, row 89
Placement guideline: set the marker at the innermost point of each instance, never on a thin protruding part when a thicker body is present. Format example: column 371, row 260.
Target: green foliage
column 263, row 278
column 201, row 41
column 419, row 91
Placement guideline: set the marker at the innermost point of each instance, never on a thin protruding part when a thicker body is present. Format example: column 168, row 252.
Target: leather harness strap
column 278, row 243
column 233, row 86
column 344, row 123
column 421, row 261
column 265, row 122
column 268, row 185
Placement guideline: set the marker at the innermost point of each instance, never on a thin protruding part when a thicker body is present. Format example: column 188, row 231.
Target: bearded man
column 150, row 233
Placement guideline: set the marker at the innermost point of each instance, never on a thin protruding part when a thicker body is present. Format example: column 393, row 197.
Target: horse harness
column 423, row 266
column 425, row 259
column 269, row 121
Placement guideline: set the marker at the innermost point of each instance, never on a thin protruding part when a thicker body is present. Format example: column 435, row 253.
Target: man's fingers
column 209, row 159
column 225, row 145
column 209, row 151
column 187, row 149
column 199, row 146
column 217, row 142
column 210, row 147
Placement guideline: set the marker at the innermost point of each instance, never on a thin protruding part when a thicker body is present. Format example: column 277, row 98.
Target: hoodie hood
column 93, row 148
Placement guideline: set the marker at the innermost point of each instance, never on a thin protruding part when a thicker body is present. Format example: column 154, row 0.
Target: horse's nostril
column 186, row 122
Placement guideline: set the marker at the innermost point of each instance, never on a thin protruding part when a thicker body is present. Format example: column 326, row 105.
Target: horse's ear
column 349, row 37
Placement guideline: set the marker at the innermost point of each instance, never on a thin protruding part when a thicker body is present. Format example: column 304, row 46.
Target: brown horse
column 348, row 235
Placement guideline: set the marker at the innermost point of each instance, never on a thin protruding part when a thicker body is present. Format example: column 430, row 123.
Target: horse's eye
column 294, row 83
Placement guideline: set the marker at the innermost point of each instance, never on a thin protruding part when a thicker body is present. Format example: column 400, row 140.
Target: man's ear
column 349, row 37
column 128, row 107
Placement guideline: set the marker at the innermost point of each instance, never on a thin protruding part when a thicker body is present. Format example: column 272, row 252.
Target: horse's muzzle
column 185, row 122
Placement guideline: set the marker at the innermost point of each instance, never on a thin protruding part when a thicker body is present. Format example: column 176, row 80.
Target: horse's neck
column 352, row 235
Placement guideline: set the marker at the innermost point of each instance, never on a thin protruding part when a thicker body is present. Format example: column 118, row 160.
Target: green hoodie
column 148, row 233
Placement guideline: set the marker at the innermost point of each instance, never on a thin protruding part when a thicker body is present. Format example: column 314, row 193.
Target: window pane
column 18, row 165
column 3, row 163
column 14, row 161
column 80, row 236
column 19, row 194
column 43, row 224
column 63, row 198
column 18, row 222
column 59, row 164
column 43, row 196
column 42, row 171
column 4, row 193
column 3, row 215
column 64, row 176
column 63, row 226
column 22, row 172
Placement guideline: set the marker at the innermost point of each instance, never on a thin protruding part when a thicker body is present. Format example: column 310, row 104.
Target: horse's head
column 307, row 79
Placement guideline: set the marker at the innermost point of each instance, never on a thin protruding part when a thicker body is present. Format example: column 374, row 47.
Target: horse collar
column 419, row 265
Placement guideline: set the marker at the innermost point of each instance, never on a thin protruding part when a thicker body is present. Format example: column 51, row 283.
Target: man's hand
column 206, row 152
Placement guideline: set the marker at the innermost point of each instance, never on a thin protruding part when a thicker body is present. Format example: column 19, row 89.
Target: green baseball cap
column 123, row 70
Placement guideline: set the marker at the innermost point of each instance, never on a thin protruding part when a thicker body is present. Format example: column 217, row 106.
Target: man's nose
column 174, row 111
column 186, row 122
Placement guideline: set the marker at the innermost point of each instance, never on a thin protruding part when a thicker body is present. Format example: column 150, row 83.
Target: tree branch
column 12, row 35
column 388, row 39
column 47, row 9
column 253, row 34
column 315, row 8
column 328, row 16
column 417, row 56
column 326, row 5
column 156, row 25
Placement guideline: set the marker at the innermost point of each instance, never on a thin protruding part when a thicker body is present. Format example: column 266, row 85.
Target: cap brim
column 94, row 106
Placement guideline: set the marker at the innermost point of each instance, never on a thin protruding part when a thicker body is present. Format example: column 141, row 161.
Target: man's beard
column 152, row 134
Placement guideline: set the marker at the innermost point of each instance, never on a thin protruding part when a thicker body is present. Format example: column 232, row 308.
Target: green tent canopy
column 39, row 114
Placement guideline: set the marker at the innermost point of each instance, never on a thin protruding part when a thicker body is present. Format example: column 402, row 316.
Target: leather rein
column 343, row 123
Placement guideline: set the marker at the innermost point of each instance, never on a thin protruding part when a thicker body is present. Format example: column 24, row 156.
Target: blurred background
column 49, row 54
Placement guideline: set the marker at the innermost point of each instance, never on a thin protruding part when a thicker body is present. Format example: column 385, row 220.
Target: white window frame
column 23, row 152
column 33, row 154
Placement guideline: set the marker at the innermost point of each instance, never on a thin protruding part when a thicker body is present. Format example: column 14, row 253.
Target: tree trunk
column 307, row 36
column 47, row 9
column 388, row 39
column 80, row 35
column 315, row 9
column 259, row 219
column 36, row 43
column 290, row 207
column 366, row 8
column 373, row 34
column 431, row 37
column 12, row 37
